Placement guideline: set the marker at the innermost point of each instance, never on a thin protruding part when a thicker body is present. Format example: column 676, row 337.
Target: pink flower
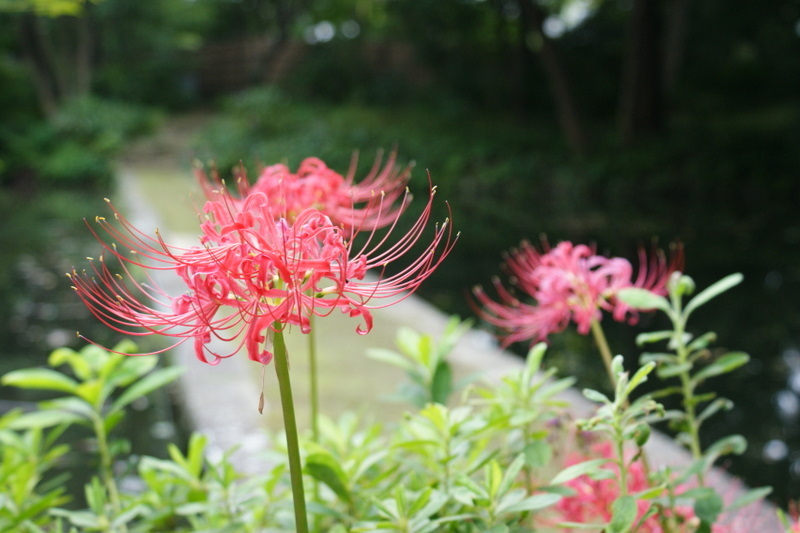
column 567, row 283
column 591, row 503
column 256, row 271
column 374, row 202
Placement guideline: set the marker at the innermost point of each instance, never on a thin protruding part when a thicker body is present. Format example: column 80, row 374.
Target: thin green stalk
column 688, row 398
column 623, row 468
column 106, row 468
column 679, row 324
column 290, row 425
column 605, row 351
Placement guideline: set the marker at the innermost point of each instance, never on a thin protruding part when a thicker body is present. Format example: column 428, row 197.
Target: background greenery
column 646, row 119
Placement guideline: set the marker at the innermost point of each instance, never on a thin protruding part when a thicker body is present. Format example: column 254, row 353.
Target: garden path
column 155, row 181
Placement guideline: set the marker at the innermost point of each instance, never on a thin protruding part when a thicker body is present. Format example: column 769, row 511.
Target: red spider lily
column 370, row 203
column 592, row 499
column 567, row 283
column 255, row 272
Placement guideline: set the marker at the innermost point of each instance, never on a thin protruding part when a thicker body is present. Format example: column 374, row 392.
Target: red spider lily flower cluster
column 256, row 270
column 374, row 201
column 593, row 498
column 568, row 283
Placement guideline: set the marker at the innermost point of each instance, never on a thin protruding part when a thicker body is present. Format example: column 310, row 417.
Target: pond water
column 42, row 242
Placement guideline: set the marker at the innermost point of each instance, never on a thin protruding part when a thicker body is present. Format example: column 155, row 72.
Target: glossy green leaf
column 44, row 419
column 80, row 366
column 146, row 385
column 442, row 383
column 40, row 379
column 90, row 392
column 132, row 368
column 323, row 467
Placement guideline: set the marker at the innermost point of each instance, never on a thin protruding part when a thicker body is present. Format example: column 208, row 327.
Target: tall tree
column 641, row 92
column 532, row 19
column 57, row 44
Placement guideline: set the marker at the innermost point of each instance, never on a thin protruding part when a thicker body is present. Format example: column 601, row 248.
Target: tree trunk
column 674, row 43
column 641, row 94
column 566, row 109
column 59, row 54
column 284, row 16
column 84, row 54
column 36, row 54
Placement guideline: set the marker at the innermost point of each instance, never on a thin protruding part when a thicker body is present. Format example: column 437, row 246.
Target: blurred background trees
column 607, row 121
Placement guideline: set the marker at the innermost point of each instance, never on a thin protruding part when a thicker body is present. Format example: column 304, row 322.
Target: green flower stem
column 605, row 351
column 290, row 425
column 688, row 396
column 106, row 468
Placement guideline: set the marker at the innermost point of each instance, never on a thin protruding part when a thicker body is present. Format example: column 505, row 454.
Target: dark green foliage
column 76, row 148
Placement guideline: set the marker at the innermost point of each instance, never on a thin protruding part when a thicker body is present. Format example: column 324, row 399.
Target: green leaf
column 90, row 392
column 623, row 514
column 533, row 362
column 577, row 470
column 390, row 357
column 581, row 525
column 732, row 444
column 715, row 406
column 40, row 379
column 639, row 377
column 80, row 367
column 752, row 495
column 702, row 341
column 533, row 503
column 727, row 363
column 510, row 473
column 671, row 370
column 653, row 336
column 133, row 368
column 641, row 434
column 442, row 384
column 596, row 396
column 708, row 507
column 711, row 292
column 323, row 467
column 408, row 341
column 643, row 299
column 146, row 385
column 95, row 356
column 43, row 419
column 538, row 454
